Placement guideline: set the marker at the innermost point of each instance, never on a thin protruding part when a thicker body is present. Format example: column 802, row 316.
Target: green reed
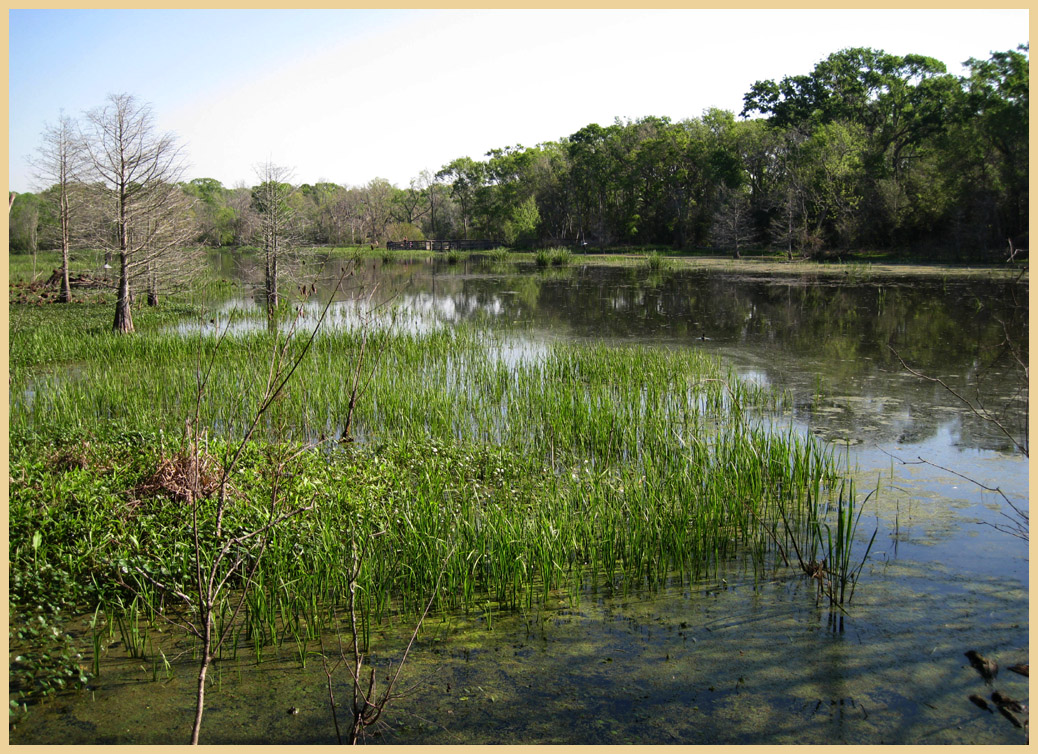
column 655, row 261
column 557, row 256
column 500, row 471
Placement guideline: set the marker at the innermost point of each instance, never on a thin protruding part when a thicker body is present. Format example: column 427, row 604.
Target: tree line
column 867, row 151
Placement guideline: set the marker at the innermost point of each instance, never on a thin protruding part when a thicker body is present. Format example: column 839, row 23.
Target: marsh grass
column 500, row 254
column 557, row 256
column 498, row 475
column 657, row 262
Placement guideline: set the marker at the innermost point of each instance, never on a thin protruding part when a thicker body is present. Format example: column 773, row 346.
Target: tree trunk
column 272, row 281
column 123, row 318
column 66, row 287
column 200, row 697
column 153, row 287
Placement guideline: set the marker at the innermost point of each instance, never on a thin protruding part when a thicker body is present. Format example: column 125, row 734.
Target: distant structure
column 435, row 245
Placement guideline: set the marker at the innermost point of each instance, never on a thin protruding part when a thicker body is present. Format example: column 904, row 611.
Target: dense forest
column 867, row 151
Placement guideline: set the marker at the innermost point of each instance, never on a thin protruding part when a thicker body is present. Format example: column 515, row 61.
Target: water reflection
column 831, row 341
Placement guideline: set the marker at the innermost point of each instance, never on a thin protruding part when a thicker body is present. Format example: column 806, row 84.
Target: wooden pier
column 436, row 245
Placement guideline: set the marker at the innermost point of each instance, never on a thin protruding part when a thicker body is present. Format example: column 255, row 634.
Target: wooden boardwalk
column 439, row 245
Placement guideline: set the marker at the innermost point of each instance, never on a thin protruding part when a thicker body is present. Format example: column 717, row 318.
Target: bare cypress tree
column 135, row 173
column 59, row 166
column 172, row 258
column 270, row 200
column 732, row 227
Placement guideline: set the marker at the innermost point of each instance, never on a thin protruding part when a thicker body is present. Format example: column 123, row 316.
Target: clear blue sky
column 350, row 95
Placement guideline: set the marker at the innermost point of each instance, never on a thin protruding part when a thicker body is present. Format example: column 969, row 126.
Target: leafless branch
column 1020, row 524
column 977, row 409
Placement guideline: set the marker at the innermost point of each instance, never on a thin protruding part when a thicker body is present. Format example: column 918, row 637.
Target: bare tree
column 59, row 165
column 224, row 568
column 368, row 703
column 135, row 171
column 412, row 202
column 784, row 226
column 732, row 227
column 270, row 199
column 349, row 210
column 174, row 260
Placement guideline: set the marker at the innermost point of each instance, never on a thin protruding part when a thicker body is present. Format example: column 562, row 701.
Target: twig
column 981, row 412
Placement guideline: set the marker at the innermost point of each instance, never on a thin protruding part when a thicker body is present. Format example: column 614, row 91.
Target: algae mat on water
column 710, row 661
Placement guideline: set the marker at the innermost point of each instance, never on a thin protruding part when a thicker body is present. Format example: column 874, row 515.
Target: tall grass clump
column 557, row 256
column 656, row 262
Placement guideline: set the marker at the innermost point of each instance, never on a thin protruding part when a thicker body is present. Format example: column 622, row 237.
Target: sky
column 350, row 95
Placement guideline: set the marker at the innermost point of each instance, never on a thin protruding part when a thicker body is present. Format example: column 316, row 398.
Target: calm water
column 726, row 659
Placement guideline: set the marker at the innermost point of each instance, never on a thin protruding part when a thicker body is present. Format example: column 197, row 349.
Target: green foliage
column 522, row 226
column 46, row 659
column 400, row 231
column 869, row 149
column 29, row 218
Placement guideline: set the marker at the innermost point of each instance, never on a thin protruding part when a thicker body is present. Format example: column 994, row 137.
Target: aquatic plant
column 500, row 254
column 557, row 256
column 560, row 256
column 655, row 261
column 823, row 542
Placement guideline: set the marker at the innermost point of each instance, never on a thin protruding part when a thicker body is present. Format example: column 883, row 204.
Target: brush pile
column 183, row 477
